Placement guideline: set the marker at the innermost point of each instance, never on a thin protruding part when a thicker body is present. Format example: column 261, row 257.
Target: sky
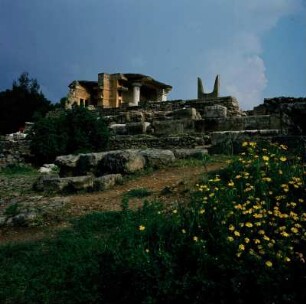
column 258, row 47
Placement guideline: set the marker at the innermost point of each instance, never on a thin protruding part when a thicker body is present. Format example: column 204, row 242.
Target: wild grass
column 18, row 170
column 241, row 239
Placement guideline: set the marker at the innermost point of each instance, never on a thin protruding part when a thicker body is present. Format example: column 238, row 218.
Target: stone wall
column 238, row 123
column 146, row 141
column 14, row 152
column 291, row 111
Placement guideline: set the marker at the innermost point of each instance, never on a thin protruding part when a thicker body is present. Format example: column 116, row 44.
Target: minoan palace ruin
column 116, row 90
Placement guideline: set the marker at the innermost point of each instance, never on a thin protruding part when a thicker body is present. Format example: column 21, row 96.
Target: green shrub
column 241, row 239
column 72, row 131
column 16, row 169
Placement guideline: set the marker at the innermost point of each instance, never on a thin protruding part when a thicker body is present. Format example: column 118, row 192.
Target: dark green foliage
column 72, row 131
column 138, row 193
column 15, row 169
column 176, row 254
column 24, row 102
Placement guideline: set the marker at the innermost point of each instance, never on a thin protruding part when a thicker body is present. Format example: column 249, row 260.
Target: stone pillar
column 164, row 95
column 136, row 93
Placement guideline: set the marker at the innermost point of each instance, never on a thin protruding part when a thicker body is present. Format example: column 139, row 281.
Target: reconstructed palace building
column 116, row 90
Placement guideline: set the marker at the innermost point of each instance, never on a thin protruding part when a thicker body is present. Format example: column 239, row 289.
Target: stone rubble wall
column 238, row 123
column 14, row 152
column 122, row 142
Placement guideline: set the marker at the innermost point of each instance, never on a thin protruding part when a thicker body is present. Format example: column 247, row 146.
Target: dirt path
column 168, row 185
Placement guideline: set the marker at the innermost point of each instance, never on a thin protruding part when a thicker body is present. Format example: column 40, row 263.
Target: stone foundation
column 14, row 152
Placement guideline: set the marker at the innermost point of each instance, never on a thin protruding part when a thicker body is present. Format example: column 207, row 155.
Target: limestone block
column 189, row 113
column 56, row 184
column 48, row 168
column 168, row 127
column 134, row 116
column 67, row 164
column 78, row 183
column 216, row 111
column 134, row 128
column 118, row 129
column 190, row 153
column 157, row 158
column 107, row 181
column 121, row 161
column 44, row 181
column 88, row 162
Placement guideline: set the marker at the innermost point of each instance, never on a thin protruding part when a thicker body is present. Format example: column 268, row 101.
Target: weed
column 137, row 193
column 242, row 238
column 12, row 210
column 13, row 170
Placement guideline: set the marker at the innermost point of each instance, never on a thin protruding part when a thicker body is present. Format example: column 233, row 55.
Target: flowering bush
column 243, row 233
column 241, row 239
column 261, row 203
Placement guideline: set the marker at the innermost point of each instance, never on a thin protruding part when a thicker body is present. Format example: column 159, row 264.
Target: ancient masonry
column 139, row 116
column 115, row 90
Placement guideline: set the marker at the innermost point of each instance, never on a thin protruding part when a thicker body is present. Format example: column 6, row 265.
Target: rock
column 87, row 163
column 67, row 164
column 133, row 128
column 70, row 184
column 3, row 220
column 43, row 180
column 78, row 183
column 107, row 181
column 118, row 129
column 157, row 158
column 122, row 161
column 48, row 168
column 189, row 113
column 134, row 116
column 190, row 153
column 216, row 111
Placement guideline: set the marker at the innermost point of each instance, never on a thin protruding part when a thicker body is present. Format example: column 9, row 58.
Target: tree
column 24, row 102
column 78, row 130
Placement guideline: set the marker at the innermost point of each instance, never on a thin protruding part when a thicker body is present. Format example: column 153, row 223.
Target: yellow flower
column 244, row 144
column 287, row 259
column 231, row 228
column 294, row 230
column 236, row 233
column 262, row 232
column 174, row 211
column 247, row 240
column 141, row 228
column 284, row 234
column 183, row 231
column 241, row 247
column 265, row 158
column 230, row 238
column 283, row 158
column 202, row 211
column 147, row 250
column 257, row 241
column 231, row 184
column 269, row 264
column 267, row 179
column 249, row 225
column 283, row 147
column 195, row 238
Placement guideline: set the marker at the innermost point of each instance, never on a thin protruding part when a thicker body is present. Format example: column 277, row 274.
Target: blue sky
column 256, row 46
